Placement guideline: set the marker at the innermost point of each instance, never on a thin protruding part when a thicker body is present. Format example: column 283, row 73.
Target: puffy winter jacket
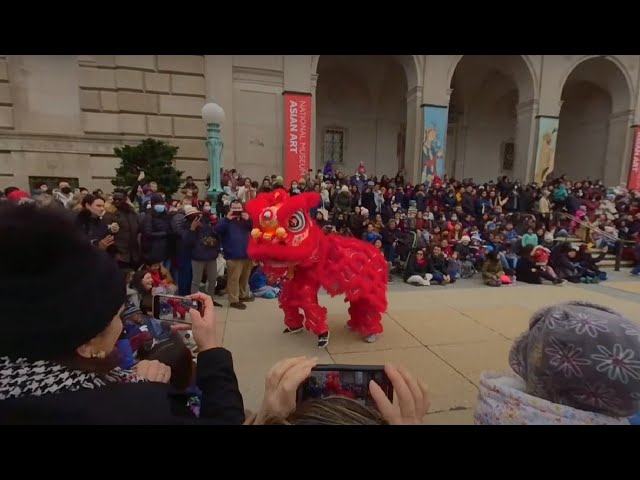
column 202, row 244
column 157, row 237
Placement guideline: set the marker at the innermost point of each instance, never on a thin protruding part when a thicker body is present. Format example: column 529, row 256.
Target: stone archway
column 594, row 121
column 491, row 113
column 366, row 110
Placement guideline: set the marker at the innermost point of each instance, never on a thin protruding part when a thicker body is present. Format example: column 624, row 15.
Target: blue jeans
column 636, row 270
column 507, row 263
column 390, row 253
column 184, row 274
column 437, row 277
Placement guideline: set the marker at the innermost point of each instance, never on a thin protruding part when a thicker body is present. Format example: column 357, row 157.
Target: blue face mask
column 159, row 208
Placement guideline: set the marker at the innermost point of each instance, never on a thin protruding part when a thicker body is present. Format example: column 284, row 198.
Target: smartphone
column 172, row 308
column 351, row 381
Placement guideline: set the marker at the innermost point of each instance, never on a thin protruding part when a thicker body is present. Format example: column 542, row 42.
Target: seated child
column 454, row 267
column 447, row 249
column 161, row 278
column 576, row 365
column 259, row 284
column 492, row 271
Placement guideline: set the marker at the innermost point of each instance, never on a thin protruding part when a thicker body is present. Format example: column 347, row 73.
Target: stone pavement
column 446, row 336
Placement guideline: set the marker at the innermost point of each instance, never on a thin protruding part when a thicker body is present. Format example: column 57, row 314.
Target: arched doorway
column 361, row 112
column 487, row 134
column 594, row 122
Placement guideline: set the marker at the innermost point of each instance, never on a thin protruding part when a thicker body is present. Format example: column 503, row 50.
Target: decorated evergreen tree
column 155, row 159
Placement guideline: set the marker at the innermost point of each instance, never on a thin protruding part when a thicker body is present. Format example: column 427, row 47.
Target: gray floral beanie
column 582, row 355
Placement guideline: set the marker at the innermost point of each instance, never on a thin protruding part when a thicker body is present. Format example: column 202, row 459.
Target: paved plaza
column 446, row 336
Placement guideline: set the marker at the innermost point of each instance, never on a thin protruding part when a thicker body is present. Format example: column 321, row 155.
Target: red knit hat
column 17, row 195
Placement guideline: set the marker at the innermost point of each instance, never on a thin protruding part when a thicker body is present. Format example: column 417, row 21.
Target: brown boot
column 238, row 305
column 247, row 299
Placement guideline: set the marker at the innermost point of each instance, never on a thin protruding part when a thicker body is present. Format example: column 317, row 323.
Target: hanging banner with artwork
column 297, row 136
column 433, row 141
column 634, row 172
column 546, row 152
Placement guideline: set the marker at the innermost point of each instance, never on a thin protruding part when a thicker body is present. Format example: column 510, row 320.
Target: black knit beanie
column 57, row 291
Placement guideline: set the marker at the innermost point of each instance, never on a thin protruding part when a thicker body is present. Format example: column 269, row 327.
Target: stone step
column 611, row 263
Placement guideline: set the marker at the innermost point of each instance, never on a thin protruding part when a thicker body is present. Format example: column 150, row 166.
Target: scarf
column 24, row 378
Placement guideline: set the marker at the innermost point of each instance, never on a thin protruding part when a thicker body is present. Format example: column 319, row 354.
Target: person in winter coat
column 127, row 238
column 565, row 267
column 492, row 271
column 179, row 227
column 358, row 222
column 391, row 236
column 355, row 196
column 378, row 198
column 464, row 250
column 420, row 198
column 450, row 201
column 417, row 270
column 58, row 365
column 438, row 267
column 370, row 236
column 234, row 231
column 588, row 265
column 483, row 204
column 468, row 201
column 528, row 271
column 202, row 245
column 343, row 200
column 575, row 365
column 368, row 199
column 529, row 238
column 157, row 237
column 91, row 223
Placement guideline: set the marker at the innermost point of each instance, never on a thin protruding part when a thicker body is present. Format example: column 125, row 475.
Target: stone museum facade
column 61, row 116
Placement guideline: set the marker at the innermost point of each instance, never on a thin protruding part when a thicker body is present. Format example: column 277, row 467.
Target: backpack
column 467, row 270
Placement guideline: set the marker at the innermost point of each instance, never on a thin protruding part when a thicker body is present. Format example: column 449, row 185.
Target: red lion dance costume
column 291, row 245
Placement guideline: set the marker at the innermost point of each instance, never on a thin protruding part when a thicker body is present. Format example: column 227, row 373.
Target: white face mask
column 294, row 186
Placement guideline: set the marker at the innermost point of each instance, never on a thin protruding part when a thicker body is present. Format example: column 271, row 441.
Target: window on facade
column 508, row 153
column 333, row 145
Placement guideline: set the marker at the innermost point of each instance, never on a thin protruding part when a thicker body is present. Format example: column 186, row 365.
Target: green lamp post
column 213, row 116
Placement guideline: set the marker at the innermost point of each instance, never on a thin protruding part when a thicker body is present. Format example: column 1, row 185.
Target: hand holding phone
column 204, row 323
column 175, row 309
column 413, row 398
column 281, row 386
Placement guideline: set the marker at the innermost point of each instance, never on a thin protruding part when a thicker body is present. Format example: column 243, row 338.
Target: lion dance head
column 284, row 233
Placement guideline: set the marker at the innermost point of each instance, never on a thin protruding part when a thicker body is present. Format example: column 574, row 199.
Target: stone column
column 616, row 165
column 458, row 163
column 525, row 141
column 412, row 161
column 218, row 77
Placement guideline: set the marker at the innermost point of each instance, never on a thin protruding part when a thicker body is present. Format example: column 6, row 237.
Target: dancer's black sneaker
column 216, row 304
column 323, row 340
column 292, row 330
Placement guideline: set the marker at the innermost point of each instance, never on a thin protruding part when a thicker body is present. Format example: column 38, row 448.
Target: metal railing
column 619, row 241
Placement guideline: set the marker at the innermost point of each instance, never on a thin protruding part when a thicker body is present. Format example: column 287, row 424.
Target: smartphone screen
column 351, row 381
column 171, row 308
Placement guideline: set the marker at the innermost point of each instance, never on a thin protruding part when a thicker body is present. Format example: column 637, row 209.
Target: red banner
column 297, row 136
column 634, row 173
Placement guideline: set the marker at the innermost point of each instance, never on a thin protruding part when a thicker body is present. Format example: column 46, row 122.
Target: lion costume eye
column 297, row 222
